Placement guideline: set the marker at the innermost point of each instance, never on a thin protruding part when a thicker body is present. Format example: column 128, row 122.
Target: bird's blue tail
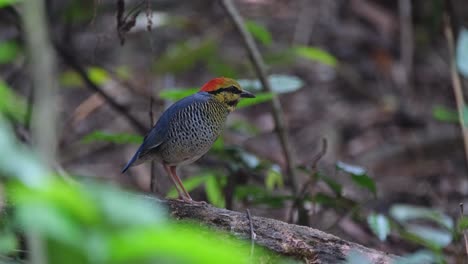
column 130, row 162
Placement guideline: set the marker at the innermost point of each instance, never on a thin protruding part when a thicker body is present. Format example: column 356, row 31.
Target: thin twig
column 260, row 69
column 456, row 83
column 406, row 40
column 312, row 178
column 463, row 231
column 73, row 63
column 253, row 236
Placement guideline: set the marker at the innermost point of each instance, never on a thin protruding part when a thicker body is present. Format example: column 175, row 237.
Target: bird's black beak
column 246, row 94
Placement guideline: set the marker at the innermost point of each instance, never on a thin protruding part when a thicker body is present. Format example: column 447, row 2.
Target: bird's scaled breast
column 192, row 131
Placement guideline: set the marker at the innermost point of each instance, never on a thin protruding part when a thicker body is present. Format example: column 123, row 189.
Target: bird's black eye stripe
column 231, row 89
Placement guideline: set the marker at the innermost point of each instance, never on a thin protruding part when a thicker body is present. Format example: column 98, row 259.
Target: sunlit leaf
column 274, row 178
column 214, row 191
column 177, row 94
column 351, row 169
column 8, row 51
column 358, row 175
column 97, row 75
column 190, row 184
column 315, row 54
column 181, row 245
column 259, row 32
column 116, row 138
column 462, row 52
column 249, row 159
column 259, row 98
column 280, row 83
column 438, row 237
column 4, row 3
column 379, row 224
column 405, row 213
column 444, row 114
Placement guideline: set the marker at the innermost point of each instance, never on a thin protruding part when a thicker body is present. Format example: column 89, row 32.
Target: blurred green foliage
column 9, row 50
column 88, row 222
column 4, row 3
column 259, row 32
column 97, row 75
column 12, row 105
column 116, row 138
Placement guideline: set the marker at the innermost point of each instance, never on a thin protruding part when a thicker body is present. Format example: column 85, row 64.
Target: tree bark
column 301, row 242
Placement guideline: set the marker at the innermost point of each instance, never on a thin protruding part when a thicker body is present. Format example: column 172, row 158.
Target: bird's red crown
column 216, row 83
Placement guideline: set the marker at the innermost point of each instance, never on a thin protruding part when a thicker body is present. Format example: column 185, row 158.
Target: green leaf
column 444, row 114
column 379, row 224
column 463, row 223
column 462, row 52
column 274, row 178
column 259, row 32
column 334, row 185
column 214, row 191
column 358, row 175
column 138, row 211
column 176, row 244
column 279, row 83
column 420, row 256
column 315, row 54
column 259, row 98
column 8, row 51
column 365, row 181
column 184, row 56
column 465, row 116
column 190, row 184
column 116, row 138
column 351, row 169
column 356, row 257
column 177, row 94
column 438, row 237
column 11, row 104
column 405, row 213
column 4, row 3
column 97, row 75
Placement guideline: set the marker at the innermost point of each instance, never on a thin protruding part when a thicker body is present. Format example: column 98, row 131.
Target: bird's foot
column 189, row 200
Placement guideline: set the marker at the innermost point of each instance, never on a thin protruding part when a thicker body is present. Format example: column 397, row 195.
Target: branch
column 69, row 59
column 260, row 68
column 456, row 83
column 301, row 242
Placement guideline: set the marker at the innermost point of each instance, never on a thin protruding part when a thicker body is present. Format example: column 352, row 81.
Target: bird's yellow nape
column 217, row 83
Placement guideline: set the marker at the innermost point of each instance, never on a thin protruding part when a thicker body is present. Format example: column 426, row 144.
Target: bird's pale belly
column 186, row 150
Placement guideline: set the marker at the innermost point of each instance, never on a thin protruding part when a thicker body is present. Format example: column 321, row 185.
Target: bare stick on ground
column 277, row 112
column 301, row 242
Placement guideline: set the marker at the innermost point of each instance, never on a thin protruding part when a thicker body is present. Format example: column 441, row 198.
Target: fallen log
column 301, row 242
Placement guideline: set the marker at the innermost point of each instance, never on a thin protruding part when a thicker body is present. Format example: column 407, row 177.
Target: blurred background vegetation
column 366, row 89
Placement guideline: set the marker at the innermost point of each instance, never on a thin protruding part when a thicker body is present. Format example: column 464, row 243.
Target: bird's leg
column 168, row 170
column 176, row 178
